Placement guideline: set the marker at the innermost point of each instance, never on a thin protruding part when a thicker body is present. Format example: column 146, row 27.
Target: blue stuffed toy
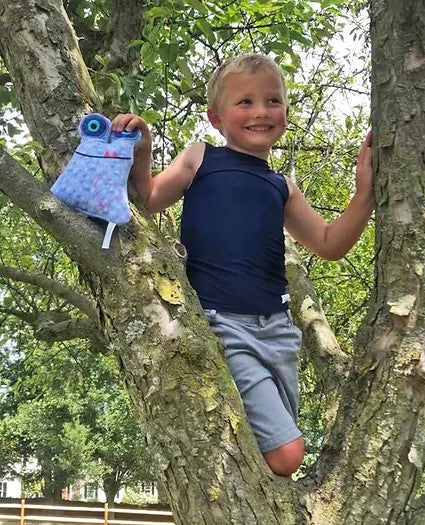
column 94, row 181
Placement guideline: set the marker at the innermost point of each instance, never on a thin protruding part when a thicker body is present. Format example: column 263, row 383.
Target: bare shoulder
column 297, row 206
column 169, row 185
column 291, row 185
column 193, row 156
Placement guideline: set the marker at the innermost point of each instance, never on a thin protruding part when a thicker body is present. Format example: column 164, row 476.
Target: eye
column 275, row 101
column 94, row 125
column 245, row 101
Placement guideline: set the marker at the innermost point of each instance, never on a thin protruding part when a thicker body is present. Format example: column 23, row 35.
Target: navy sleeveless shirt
column 232, row 227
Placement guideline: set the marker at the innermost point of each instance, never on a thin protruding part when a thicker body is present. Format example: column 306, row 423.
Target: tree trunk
column 372, row 465
column 52, row 487
column 370, row 468
column 111, row 489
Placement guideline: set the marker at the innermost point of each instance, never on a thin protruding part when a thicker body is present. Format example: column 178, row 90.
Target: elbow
column 148, row 206
column 146, row 199
column 332, row 255
column 332, row 249
column 153, row 208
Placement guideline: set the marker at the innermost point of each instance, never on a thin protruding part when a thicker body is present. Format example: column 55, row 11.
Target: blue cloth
column 232, row 227
column 94, row 181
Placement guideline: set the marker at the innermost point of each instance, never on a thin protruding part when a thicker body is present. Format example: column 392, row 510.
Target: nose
column 260, row 110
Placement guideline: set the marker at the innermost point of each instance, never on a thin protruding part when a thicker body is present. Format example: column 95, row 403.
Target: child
column 234, row 211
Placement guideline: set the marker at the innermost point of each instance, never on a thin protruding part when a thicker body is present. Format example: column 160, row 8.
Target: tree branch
column 90, row 40
column 58, row 89
column 125, row 26
column 319, row 341
column 75, row 232
column 51, row 285
column 27, row 317
column 53, row 327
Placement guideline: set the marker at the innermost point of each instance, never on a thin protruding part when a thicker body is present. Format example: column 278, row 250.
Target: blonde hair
column 248, row 63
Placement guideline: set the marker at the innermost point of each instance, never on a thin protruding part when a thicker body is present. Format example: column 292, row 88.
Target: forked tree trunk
column 371, row 465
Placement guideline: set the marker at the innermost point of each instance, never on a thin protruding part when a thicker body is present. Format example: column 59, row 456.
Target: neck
column 264, row 155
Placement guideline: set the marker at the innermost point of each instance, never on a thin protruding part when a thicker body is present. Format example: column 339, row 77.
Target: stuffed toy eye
column 95, row 125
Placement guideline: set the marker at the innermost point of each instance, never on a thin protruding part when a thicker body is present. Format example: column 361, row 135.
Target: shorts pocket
column 292, row 324
column 290, row 318
column 211, row 315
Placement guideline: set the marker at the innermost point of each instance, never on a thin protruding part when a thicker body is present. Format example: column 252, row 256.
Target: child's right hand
column 130, row 122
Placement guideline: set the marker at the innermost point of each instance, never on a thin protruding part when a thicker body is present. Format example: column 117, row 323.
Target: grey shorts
column 262, row 354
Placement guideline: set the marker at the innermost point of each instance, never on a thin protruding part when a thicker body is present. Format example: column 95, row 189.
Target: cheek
column 281, row 118
column 236, row 116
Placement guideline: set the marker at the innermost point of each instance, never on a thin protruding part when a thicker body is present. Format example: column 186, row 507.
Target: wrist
column 365, row 197
column 143, row 148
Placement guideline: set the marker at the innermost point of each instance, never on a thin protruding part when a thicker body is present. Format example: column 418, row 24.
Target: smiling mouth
column 259, row 128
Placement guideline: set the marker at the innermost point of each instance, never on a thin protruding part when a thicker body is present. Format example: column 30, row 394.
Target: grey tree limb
column 319, row 341
column 81, row 237
column 84, row 304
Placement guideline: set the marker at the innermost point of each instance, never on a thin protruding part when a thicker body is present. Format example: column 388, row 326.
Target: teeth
column 259, row 128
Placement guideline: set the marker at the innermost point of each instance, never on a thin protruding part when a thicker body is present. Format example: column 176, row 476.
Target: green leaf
column 206, row 30
column 158, row 12
column 280, row 47
column 295, row 35
column 136, row 43
column 327, row 3
column 184, row 69
column 12, row 130
column 103, row 60
column 151, row 116
column 198, row 6
column 348, row 122
column 169, row 52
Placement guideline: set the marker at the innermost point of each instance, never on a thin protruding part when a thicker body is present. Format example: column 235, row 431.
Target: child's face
column 251, row 113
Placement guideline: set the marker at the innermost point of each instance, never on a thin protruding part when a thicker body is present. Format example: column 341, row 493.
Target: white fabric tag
column 108, row 235
column 285, row 298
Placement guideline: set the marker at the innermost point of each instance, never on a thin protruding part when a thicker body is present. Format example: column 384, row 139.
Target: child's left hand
column 364, row 170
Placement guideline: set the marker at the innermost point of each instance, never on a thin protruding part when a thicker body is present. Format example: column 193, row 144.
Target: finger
column 120, row 122
column 366, row 147
column 134, row 123
column 368, row 140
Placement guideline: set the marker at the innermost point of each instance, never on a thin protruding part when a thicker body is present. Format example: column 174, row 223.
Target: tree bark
column 172, row 363
column 113, row 43
column 111, row 487
column 371, row 465
column 55, row 287
column 36, row 35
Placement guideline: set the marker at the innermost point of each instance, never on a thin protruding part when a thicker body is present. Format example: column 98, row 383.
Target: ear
column 286, row 118
column 214, row 118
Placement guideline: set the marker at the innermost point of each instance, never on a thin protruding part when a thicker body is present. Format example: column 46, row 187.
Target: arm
column 332, row 241
column 167, row 187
